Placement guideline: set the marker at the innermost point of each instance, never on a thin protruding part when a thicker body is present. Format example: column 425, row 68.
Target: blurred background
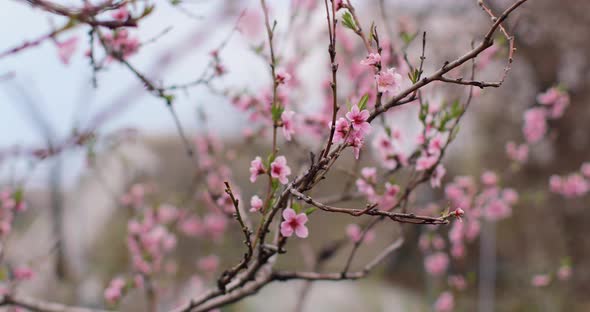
column 73, row 231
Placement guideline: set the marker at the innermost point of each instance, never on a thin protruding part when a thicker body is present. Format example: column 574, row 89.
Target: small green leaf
column 276, row 111
column 296, row 206
column 310, row 210
column 18, row 195
column 456, row 109
column 275, row 185
column 388, row 131
column 348, row 22
column 269, row 160
column 407, row 38
column 363, row 102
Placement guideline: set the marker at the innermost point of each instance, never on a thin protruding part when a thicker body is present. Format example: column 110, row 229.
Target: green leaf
column 407, row 38
column 169, row 98
column 388, row 131
column 372, row 30
column 269, row 160
column 18, row 195
column 276, row 111
column 414, row 75
column 363, row 102
column 456, row 109
column 348, row 21
column 423, row 112
column 296, row 206
column 310, row 210
column 275, row 185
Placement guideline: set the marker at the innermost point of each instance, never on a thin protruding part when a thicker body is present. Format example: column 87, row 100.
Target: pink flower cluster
column 490, row 202
column 553, row 103
column 367, row 185
column 572, row 185
column 436, row 264
column 149, row 239
column 388, row 149
column 517, row 153
column 114, row 292
column 278, row 169
column 353, row 129
column 445, row 302
column 120, row 42
column 11, row 203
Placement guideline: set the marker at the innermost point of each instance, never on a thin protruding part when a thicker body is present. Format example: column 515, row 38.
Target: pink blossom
column 535, row 124
column 369, row 174
column 372, row 59
column 355, row 233
column 342, row 128
column 255, row 203
column 209, row 263
column 436, row 264
column 435, row 145
column 365, row 188
column 497, row 210
column 438, row 242
column 23, row 273
column 294, row 223
column 585, row 169
column 425, row 162
column 358, row 119
column 564, row 273
column 305, row 4
column 510, row 196
column 356, row 143
column 282, row 76
column 541, row 280
column 191, row 226
column 280, row 170
column 445, row 302
column 518, row 153
column 167, row 213
column 256, row 169
column 66, row 49
column 574, row 185
column 215, row 224
column 388, row 198
column 458, row 213
column 555, row 183
column 288, row 124
column 548, row 97
column 389, row 81
column 437, row 175
column 121, row 14
column 457, row 281
column 115, row 290
column 489, row 178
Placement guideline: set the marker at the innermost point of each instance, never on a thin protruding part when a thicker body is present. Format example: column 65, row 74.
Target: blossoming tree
column 363, row 91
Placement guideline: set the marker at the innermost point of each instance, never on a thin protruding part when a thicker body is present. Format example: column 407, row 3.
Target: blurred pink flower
column 66, row 49
column 372, row 59
column 436, row 264
column 389, row 81
column 445, row 302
